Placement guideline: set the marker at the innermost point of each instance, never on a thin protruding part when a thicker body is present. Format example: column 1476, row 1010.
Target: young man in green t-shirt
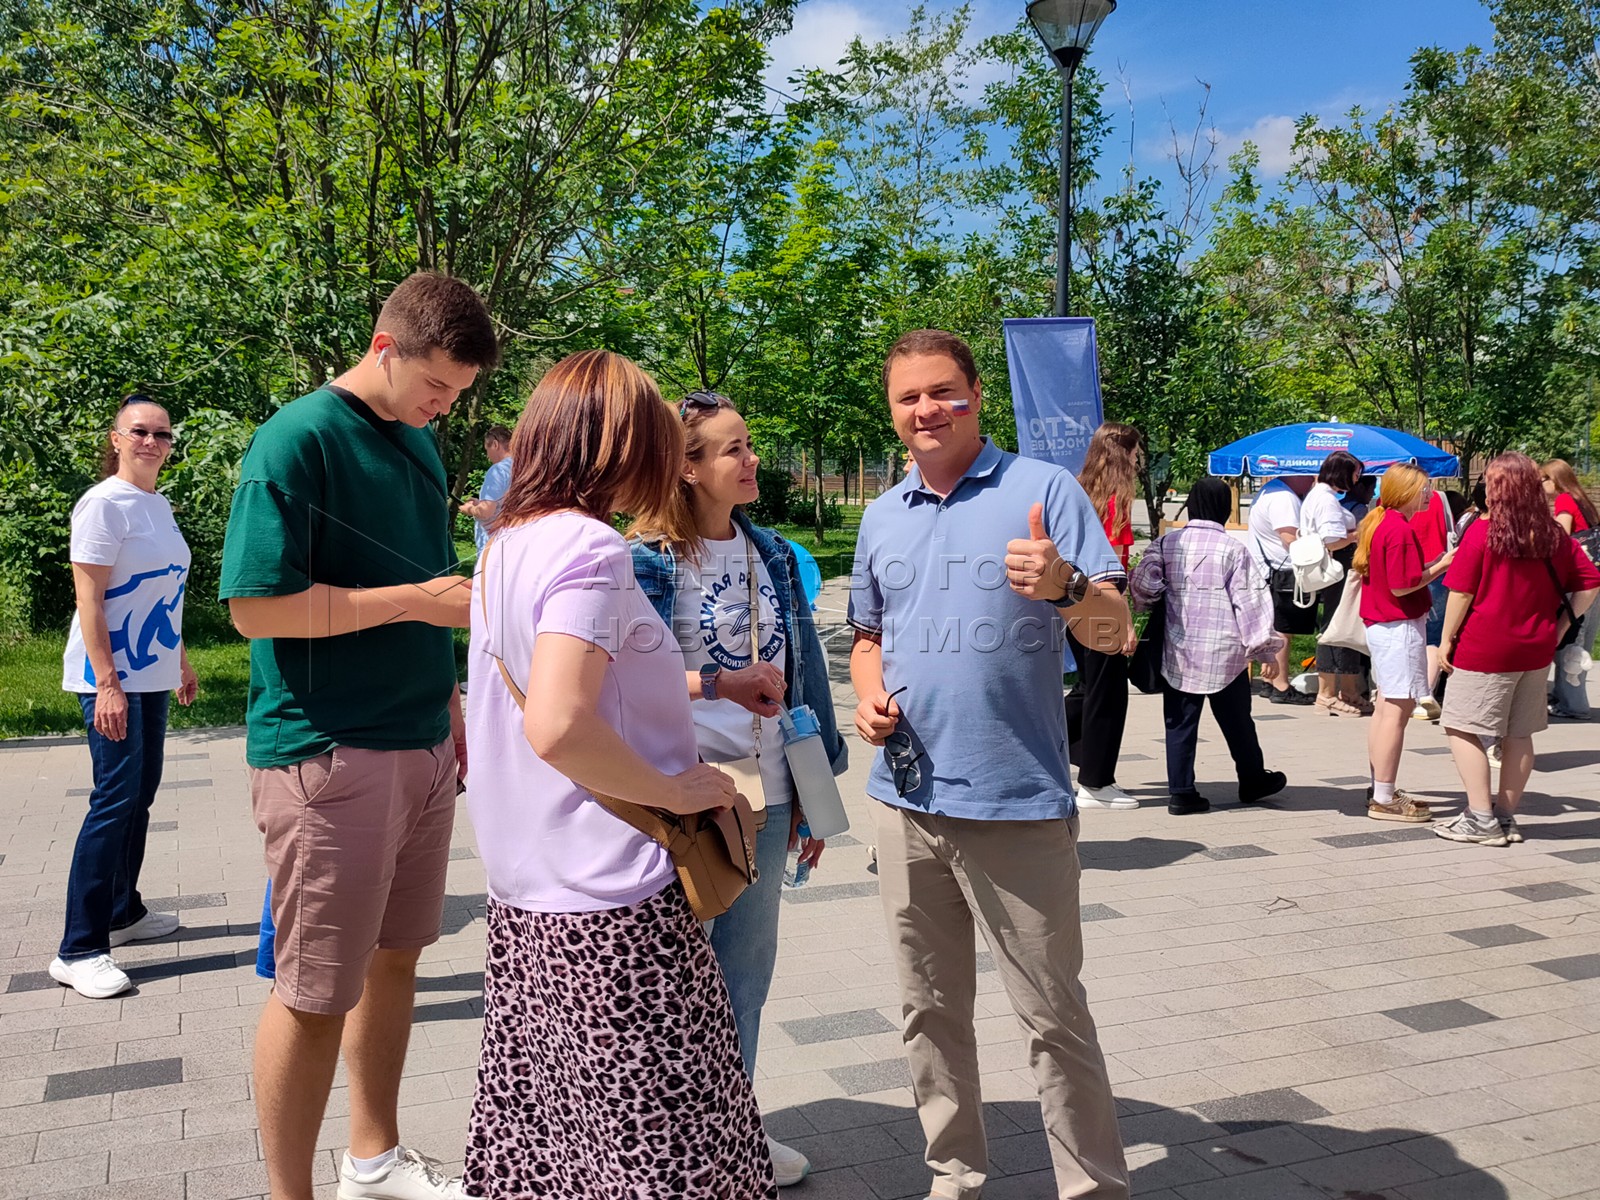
column 339, row 566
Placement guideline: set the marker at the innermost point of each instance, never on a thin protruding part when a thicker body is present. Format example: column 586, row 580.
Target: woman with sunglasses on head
column 125, row 654
column 1516, row 585
column 1575, row 513
column 730, row 590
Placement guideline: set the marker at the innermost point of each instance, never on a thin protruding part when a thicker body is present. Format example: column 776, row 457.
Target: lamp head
column 1066, row 27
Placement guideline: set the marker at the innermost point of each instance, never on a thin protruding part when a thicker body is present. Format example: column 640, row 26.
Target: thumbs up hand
column 1034, row 567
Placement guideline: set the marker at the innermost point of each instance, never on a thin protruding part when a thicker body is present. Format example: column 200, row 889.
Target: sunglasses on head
column 139, row 432
column 703, row 400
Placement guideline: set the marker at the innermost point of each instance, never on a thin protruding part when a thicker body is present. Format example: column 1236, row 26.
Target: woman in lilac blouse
column 610, row 1065
column 1219, row 618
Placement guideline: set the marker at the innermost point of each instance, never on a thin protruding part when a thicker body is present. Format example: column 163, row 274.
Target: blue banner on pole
column 1055, row 386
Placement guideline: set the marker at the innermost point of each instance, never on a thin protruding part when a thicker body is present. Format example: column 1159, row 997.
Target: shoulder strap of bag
column 1262, row 555
column 751, row 558
column 1566, row 607
column 645, row 820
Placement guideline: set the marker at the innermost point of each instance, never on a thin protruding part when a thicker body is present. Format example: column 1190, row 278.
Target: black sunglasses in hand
column 902, row 757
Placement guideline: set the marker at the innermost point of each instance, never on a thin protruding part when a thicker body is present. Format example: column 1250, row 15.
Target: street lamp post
column 1066, row 27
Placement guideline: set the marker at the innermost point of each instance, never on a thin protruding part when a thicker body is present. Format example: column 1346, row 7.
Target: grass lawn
column 32, row 702
column 837, row 553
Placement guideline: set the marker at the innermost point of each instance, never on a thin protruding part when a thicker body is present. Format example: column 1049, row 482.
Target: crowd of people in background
column 653, row 670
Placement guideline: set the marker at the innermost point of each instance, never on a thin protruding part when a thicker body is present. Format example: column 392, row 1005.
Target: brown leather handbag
column 714, row 852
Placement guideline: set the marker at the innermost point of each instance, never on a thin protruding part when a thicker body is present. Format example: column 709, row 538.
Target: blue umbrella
column 1300, row 449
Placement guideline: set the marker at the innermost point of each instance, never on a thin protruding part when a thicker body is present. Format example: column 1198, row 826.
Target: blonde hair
column 1402, row 484
column 1108, row 471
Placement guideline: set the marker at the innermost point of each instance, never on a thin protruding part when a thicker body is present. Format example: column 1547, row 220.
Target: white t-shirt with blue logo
column 132, row 531
column 711, row 619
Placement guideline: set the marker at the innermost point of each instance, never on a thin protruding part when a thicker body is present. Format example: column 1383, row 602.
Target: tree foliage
column 208, row 199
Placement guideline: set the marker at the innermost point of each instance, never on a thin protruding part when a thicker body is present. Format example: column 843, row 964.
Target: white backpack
column 1314, row 568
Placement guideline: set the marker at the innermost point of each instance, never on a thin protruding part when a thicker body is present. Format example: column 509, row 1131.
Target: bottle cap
column 799, row 723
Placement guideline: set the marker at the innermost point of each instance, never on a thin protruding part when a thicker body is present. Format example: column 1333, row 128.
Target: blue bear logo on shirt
column 155, row 628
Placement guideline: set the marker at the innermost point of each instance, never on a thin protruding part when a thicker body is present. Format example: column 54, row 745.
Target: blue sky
column 1267, row 61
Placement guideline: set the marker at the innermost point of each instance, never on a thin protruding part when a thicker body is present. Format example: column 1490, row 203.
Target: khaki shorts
column 1496, row 706
column 357, row 846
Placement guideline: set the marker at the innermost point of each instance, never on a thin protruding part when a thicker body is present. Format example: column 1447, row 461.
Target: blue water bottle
column 797, row 872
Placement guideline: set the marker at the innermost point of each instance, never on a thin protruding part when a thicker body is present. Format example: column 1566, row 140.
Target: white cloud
column 1273, row 137
column 823, row 31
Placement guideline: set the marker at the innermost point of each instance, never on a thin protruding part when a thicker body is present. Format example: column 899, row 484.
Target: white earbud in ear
column 382, row 354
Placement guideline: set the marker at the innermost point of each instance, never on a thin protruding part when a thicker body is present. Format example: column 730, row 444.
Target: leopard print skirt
column 610, row 1066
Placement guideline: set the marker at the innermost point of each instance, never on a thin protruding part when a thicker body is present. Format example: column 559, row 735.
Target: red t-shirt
column 1432, row 527
column 1512, row 625
column 1119, row 541
column 1394, row 560
column 1569, row 505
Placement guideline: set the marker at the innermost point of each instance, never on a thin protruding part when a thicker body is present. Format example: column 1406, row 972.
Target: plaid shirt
column 1219, row 614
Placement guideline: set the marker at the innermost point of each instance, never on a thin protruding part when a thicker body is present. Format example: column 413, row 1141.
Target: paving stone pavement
column 1294, row 1001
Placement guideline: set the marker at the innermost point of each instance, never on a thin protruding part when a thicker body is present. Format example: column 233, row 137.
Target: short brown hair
column 595, row 436
column 429, row 312
column 931, row 341
column 497, row 433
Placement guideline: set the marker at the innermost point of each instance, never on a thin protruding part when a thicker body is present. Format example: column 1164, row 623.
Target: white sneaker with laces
column 788, row 1164
column 96, row 978
column 148, row 927
column 411, row 1176
column 1110, row 796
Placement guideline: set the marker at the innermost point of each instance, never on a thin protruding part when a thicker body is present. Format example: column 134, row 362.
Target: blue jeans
column 103, row 888
column 745, row 938
column 267, row 940
column 1439, row 596
column 1569, row 699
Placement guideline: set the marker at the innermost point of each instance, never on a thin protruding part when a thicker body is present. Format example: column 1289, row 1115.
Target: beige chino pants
column 1019, row 880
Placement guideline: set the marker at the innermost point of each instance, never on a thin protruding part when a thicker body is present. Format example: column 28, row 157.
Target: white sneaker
column 1110, row 796
column 1492, row 752
column 147, row 928
column 411, row 1176
column 788, row 1164
column 96, row 978
column 1426, row 710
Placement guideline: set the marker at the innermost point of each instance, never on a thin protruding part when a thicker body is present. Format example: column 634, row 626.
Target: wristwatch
column 708, row 681
column 1077, row 588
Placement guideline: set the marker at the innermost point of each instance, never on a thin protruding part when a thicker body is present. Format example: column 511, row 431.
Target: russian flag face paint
column 961, row 407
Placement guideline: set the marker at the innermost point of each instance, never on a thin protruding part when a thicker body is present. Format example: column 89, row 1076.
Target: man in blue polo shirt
column 497, row 446
column 966, row 576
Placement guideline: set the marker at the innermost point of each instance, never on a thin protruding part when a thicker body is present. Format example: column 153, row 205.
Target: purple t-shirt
column 546, row 844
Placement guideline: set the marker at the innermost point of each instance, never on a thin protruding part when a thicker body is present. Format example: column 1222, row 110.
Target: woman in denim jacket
column 694, row 562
